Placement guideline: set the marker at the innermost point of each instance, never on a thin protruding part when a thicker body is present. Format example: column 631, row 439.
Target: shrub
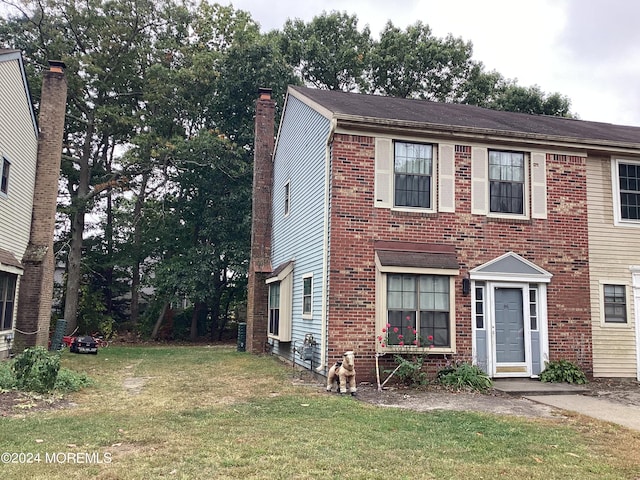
column 7, row 377
column 36, row 370
column 562, row 371
column 70, row 381
column 410, row 371
column 464, row 375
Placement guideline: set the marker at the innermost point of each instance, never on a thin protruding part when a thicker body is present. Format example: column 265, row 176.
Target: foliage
column 36, row 370
column 328, row 52
column 464, row 375
column 93, row 316
column 410, row 370
column 7, row 376
column 414, row 63
column 70, row 381
column 563, row 371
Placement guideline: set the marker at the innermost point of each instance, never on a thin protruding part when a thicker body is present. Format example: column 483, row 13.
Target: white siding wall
column 300, row 160
column 19, row 144
column 612, row 250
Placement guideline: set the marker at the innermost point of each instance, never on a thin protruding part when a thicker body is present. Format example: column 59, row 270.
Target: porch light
column 466, row 286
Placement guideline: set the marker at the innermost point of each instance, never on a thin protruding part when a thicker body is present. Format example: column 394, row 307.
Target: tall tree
column 206, row 223
column 328, row 52
column 415, row 63
column 104, row 45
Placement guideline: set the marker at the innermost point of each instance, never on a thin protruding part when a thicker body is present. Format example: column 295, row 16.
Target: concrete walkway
column 571, row 398
column 601, row 409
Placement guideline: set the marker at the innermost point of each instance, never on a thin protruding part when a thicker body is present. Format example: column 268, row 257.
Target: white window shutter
column 538, row 185
column 384, row 173
column 479, row 181
column 446, row 178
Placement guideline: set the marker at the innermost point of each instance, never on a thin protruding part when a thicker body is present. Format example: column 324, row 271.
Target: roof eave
column 375, row 124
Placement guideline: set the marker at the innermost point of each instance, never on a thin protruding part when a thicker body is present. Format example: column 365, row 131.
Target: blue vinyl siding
column 299, row 160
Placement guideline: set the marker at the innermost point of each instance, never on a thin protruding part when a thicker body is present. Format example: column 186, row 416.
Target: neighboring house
column 501, row 238
column 613, row 189
column 18, row 155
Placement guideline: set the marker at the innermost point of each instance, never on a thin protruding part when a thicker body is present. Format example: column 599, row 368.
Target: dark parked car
column 85, row 344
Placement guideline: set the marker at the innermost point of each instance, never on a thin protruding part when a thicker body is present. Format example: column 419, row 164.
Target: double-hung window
column 7, row 299
column 418, row 310
column 274, row 309
column 615, row 304
column 629, row 190
column 413, row 175
column 287, row 198
column 4, row 176
column 307, row 295
column 280, row 285
column 506, row 182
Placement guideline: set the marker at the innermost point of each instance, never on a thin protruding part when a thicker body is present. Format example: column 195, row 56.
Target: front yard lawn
column 211, row 412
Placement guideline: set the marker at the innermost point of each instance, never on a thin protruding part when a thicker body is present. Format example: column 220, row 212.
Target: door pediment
column 510, row 267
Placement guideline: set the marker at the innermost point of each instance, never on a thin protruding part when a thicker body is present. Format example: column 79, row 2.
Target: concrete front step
column 527, row 386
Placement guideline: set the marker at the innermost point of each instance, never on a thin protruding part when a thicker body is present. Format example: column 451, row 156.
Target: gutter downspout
column 325, row 251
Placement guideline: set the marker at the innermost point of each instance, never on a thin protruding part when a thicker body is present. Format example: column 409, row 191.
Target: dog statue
column 343, row 372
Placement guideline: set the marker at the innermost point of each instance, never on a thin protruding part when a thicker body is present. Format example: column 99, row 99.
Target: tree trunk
column 225, row 317
column 72, row 297
column 156, row 327
column 137, row 240
column 74, row 259
column 194, row 320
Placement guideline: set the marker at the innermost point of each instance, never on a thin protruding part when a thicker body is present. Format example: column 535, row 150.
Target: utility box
column 242, row 337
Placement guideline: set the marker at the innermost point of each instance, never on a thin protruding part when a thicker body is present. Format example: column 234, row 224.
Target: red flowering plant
column 399, row 340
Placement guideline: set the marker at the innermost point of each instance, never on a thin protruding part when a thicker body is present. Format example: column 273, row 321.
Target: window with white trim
column 533, row 308
column 629, row 190
column 479, row 304
column 280, row 308
column 274, row 309
column 307, row 295
column 413, row 175
column 506, row 182
column 418, row 311
column 615, row 303
column 287, row 198
column 4, row 176
column 7, row 299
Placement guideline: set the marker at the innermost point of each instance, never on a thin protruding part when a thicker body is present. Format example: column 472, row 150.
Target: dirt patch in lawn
column 434, row 397
column 18, row 404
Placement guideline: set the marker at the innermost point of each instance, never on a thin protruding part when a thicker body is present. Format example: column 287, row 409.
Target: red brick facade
column 557, row 244
column 260, row 266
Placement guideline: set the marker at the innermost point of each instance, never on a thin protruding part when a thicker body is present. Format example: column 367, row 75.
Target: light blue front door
column 509, row 327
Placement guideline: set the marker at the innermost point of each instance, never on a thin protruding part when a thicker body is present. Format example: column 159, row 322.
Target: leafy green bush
column 7, row 377
column 36, row 370
column 562, row 371
column 70, row 381
column 464, row 375
column 410, row 371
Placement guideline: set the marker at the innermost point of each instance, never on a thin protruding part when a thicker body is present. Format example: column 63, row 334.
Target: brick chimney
column 36, row 284
column 260, row 264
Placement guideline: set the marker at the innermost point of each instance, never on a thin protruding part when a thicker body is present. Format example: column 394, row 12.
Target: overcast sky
column 588, row 50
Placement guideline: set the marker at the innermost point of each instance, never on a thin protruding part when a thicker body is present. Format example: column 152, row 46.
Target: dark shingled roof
column 7, row 258
column 343, row 104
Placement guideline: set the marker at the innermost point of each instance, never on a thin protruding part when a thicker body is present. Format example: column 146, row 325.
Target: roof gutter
column 372, row 124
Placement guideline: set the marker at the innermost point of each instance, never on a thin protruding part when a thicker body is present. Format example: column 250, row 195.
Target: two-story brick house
column 446, row 229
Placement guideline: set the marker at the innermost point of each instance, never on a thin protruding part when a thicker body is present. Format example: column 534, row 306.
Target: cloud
column 601, row 30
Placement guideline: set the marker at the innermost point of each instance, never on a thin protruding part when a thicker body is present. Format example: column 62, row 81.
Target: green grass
column 215, row 413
